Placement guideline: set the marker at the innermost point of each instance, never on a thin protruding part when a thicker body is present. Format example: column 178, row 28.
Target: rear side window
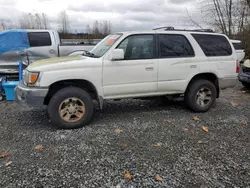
column 39, row 39
column 213, row 45
column 238, row 46
column 174, row 46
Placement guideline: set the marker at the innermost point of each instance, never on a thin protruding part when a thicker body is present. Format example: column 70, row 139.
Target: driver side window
column 138, row 47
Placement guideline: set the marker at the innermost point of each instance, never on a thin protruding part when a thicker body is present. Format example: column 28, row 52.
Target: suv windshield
column 100, row 49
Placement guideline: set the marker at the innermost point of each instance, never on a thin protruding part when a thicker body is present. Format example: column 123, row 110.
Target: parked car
column 244, row 74
column 239, row 49
column 132, row 65
column 42, row 44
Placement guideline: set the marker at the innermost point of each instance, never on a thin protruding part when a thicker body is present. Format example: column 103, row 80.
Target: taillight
column 237, row 67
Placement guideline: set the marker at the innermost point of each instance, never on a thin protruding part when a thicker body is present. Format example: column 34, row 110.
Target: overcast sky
column 123, row 14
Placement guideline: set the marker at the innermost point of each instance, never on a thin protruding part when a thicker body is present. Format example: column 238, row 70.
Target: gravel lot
column 154, row 139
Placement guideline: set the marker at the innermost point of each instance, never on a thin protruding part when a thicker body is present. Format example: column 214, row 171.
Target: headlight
column 30, row 77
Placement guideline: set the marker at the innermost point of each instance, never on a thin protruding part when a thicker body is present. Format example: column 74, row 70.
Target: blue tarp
column 13, row 40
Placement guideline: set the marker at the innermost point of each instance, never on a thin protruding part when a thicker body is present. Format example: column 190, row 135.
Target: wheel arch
column 81, row 83
column 206, row 76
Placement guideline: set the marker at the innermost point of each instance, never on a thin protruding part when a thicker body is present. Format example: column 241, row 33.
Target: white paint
column 138, row 78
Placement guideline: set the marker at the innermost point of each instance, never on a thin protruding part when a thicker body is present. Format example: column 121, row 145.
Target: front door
column 136, row 74
column 41, row 46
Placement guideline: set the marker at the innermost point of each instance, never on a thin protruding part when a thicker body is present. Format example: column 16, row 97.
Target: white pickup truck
column 43, row 44
column 239, row 49
column 132, row 65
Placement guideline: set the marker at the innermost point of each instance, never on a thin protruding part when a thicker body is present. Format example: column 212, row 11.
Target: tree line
column 99, row 29
column 231, row 17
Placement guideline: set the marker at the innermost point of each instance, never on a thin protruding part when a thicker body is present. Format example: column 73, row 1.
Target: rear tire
column 71, row 108
column 246, row 85
column 201, row 95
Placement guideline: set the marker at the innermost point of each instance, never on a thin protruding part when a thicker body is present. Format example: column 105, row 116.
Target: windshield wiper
column 87, row 53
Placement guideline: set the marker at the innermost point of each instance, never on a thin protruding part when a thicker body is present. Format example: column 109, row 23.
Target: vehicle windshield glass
column 100, row 49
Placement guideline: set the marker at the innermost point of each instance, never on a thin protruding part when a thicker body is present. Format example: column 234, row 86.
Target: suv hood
column 58, row 63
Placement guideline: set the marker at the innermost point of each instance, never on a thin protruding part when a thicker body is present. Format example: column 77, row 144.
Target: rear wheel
column 71, row 108
column 246, row 85
column 201, row 95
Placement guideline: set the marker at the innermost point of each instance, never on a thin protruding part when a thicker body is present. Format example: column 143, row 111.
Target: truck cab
column 42, row 44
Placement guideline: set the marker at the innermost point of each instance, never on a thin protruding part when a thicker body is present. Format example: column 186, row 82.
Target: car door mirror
column 117, row 54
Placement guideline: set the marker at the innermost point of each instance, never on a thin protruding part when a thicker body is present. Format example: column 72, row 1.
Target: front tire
column 201, row 95
column 71, row 108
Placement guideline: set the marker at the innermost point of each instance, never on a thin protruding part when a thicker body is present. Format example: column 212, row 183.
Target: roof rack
column 170, row 28
column 203, row 30
column 165, row 28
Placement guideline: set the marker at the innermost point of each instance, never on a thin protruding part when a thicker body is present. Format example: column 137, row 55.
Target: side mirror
column 117, row 54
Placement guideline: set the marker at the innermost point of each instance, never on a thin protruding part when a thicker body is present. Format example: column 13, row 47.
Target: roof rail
column 204, row 30
column 166, row 28
column 170, row 28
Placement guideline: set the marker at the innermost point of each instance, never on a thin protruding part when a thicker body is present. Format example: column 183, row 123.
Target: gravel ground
column 152, row 139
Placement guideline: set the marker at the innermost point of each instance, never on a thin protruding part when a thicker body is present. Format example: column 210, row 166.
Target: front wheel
column 201, row 95
column 71, row 108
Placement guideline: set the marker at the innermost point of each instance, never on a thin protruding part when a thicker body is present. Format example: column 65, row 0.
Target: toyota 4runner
column 161, row 62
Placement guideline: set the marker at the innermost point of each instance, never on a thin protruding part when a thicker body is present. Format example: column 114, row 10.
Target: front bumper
column 32, row 96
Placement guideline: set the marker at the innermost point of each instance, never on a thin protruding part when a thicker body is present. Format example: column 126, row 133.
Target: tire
column 246, row 85
column 68, row 99
column 197, row 91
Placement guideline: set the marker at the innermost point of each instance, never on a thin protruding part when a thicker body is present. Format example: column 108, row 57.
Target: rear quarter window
column 37, row 39
column 213, row 45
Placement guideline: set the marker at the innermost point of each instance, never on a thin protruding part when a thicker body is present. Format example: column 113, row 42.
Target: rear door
column 42, row 46
column 176, row 63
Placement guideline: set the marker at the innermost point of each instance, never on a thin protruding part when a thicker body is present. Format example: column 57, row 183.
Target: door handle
column 193, row 66
column 149, row 68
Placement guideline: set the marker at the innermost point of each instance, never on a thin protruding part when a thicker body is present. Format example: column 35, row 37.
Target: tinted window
column 213, row 45
column 138, row 47
column 39, row 39
column 175, row 46
column 238, row 46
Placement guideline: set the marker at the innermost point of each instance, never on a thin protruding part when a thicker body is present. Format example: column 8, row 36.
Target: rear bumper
column 30, row 96
column 227, row 82
column 244, row 77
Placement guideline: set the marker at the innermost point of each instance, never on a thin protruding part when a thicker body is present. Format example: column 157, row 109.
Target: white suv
column 136, row 64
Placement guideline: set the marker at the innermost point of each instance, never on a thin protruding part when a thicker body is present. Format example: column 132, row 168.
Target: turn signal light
column 33, row 78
